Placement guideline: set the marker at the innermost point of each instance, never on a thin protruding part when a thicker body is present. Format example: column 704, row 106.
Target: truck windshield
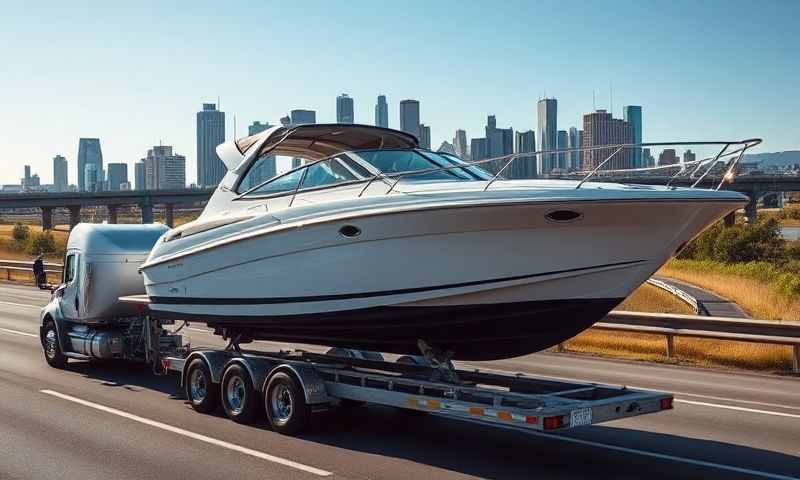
column 397, row 161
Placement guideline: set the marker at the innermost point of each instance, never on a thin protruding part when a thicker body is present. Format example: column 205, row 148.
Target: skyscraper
column 300, row 117
column 60, row 175
column 89, row 153
column 600, row 128
column 164, row 170
column 633, row 115
column 689, row 156
column 424, row 136
column 477, row 149
column 409, row 117
column 499, row 141
column 344, row 109
column 574, row 159
column 460, row 145
column 562, row 141
column 117, row 175
column 382, row 112
column 257, row 127
column 524, row 166
column 210, row 133
column 141, row 176
column 668, row 157
column 90, row 182
column 547, row 110
column 446, row 147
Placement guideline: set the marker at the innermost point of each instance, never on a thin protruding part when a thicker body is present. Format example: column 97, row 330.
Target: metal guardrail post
column 670, row 346
column 560, row 348
column 796, row 359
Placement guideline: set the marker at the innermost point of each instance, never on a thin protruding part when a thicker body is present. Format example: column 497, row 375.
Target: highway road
column 100, row 421
column 715, row 305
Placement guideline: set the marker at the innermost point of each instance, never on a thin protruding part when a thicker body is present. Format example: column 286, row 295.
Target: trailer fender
column 215, row 359
column 313, row 386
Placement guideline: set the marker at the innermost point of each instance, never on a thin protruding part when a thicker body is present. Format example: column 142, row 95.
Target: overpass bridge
column 75, row 201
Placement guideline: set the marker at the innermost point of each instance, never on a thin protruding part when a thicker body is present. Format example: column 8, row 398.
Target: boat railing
column 729, row 156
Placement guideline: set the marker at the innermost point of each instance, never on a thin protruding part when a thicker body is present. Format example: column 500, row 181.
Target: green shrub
column 739, row 243
column 41, row 243
column 21, row 232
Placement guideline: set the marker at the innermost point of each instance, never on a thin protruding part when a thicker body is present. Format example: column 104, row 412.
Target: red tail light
column 666, row 403
column 551, row 423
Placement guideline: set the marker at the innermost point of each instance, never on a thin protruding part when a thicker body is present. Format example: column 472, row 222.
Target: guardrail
column 51, row 270
column 699, row 308
column 719, row 328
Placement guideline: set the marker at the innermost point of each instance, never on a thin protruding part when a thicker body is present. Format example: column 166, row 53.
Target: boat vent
column 350, row 231
column 562, row 216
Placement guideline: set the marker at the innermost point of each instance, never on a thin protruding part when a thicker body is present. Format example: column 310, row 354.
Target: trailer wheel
column 200, row 390
column 285, row 403
column 52, row 349
column 239, row 398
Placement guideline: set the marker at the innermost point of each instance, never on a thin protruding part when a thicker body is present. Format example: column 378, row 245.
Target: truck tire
column 201, row 392
column 239, row 398
column 285, row 403
column 52, row 347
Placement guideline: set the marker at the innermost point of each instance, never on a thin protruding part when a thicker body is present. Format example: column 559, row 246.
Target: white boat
column 351, row 250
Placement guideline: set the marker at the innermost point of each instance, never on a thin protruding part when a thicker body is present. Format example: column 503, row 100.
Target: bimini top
column 317, row 141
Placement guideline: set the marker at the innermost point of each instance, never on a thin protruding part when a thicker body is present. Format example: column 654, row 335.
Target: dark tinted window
column 284, row 183
column 69, row 267
column 328, row 172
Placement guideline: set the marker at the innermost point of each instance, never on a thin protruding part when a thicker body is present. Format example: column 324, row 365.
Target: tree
column 20, row 232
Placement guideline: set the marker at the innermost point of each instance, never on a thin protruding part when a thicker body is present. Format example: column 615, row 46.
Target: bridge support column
column 169, row 213
column 113, row 214
column 147, row 210
column 751, row 209
column 74, row 216
column 730, row 219
column 47, row 218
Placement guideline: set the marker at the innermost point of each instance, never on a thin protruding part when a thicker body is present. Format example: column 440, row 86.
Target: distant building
column 117, row 175
column 164, row 170
column 26, row 177
column 210, row 133
column 424, row 136
column 525, row 166
column 257, row 127
column 301, row 117
column 344, row 109
column 547, row 114
column 125, row 186
column 460, row 144
column 382, row 112
column 562, row 143
column 600, row 128
column 668, row 157
column 633, row 115
column 446, row 147
column 499, row 141
column 648, row 160
column 575, row 140
column 60, row 174
column 689, row 156
column 90, row 181
column 478, row 149
column 89, row 153
column 409, row 117
column 140, row 175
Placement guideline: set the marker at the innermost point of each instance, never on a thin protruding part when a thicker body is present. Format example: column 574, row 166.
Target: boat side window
column 395, row 161
column 327, row 172
column 260, row 171
column 69, row 268
column 284, row 183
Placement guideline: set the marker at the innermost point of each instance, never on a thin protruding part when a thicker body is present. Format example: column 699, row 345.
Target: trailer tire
column 201, row 392
column 52, row 347
column 285, row 403
column 239, row 398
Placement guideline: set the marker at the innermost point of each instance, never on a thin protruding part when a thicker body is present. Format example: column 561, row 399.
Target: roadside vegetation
column 789, row 216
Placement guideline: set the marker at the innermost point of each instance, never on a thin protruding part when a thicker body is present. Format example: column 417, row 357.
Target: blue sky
column 135, row 75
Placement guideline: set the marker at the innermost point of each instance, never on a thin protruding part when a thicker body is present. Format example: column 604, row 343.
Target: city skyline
column 690, row 84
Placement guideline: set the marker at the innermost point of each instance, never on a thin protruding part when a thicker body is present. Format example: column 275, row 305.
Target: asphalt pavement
column 113, row 420
column 716, row 305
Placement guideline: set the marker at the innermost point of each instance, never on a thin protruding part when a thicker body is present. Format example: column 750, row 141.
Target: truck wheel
column 285, row 403
column 239, row 398
column 200, row 390
column 52, row 349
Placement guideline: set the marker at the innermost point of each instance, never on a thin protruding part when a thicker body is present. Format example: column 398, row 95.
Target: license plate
column 580, row 417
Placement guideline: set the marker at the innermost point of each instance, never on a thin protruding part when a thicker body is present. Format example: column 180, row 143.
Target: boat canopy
column 317, row 141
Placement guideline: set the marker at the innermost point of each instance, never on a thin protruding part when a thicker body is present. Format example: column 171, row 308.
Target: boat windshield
column 398, row 161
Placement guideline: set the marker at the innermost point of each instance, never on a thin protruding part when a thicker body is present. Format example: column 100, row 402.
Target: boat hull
column 486, row 281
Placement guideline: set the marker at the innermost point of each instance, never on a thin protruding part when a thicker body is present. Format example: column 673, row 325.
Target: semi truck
column 100, row 312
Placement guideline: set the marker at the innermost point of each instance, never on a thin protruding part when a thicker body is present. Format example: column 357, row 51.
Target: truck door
column 70, row 296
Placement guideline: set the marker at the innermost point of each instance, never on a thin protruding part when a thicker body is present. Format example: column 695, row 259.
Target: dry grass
column 757, row 298
column 695, row 351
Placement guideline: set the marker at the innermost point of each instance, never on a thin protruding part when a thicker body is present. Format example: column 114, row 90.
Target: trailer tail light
column 666, row 403
column 531, row 420
column 551, row 423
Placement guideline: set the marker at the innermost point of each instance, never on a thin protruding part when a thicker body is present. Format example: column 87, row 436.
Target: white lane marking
column 740, row 409
column 192, row 435
column 643, row 453
column 751, row 402
column 17, row 332
column 19, row 304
